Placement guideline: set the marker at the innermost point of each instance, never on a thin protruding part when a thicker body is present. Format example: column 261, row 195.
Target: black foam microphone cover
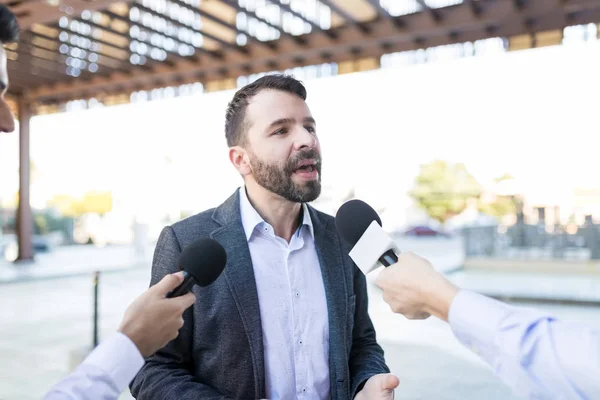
column 202, row 261
column 353, row 218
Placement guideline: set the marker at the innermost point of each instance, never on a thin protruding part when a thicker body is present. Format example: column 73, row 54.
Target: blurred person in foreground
column 150, row 322
column 538, row 356
column 9, row 33
column 289, row 316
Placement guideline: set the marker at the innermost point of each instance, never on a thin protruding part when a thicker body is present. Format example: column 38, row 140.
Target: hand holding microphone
column 154, row 318
column 561, row 365
column 152, row 321
column 414, row 289
column 409, row 283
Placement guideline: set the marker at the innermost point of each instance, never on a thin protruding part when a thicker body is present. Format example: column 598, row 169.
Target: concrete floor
column 45, row 321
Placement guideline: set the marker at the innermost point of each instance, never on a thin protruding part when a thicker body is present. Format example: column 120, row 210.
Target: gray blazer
column 219, row 351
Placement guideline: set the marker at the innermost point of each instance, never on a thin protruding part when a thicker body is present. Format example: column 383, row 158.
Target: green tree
column 500, row 205
column 92, row 202
column 442, row 189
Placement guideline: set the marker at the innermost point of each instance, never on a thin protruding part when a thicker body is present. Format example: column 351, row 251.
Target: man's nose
column 305, row 139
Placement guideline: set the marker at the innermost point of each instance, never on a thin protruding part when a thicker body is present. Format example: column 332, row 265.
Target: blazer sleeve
column 169, row 373
column 366, row 356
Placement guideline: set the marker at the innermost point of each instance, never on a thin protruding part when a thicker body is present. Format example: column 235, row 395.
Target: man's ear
column 240, row 160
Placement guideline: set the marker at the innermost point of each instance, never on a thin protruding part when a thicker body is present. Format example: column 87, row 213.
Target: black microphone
column 360, row 227
column 202, row 261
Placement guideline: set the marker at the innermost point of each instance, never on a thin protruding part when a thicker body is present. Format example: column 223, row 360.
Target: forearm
column 529, row 350
column 104, row 374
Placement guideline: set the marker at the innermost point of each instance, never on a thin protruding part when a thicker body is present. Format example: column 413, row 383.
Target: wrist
column 439, row 298
column 135, row 339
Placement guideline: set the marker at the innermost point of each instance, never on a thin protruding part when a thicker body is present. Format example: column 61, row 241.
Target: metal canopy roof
column 75, row 49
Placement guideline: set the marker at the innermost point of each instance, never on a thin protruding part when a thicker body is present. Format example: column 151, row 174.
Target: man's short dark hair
column 9, row 27
column 235, row 127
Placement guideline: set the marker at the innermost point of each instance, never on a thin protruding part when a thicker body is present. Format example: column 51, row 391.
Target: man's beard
column 277, row 178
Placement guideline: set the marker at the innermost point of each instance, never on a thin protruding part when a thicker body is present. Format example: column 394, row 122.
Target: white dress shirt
column 538, row 356
column 104, row 374
column 293, row 307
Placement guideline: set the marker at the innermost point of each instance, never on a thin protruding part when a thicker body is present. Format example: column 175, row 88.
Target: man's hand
column 378, row 387
column 152, row 320
column 414, row 289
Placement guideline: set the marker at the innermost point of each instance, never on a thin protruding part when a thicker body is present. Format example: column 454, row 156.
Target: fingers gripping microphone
column 360, row 227
column 202, row 261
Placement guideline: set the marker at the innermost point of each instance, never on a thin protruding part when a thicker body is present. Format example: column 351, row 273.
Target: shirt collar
column 251, row 219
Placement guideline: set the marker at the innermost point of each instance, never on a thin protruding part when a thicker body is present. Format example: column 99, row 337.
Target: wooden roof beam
column 384, row 14
column 42, row 12
column 106, row 43
column 49, row 69
column 192, row 58
column 383, row 39
column 40, row 72
column 437, row 17
column 296, row 39
column 476, row 7
column 520, row 4
column 328, row 32
column 109, row 45
column 271, row 46
column 350, row 20
column 178, row 24
column 100, row 54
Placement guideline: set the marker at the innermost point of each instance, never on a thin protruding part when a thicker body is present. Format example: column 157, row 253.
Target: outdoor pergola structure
column 82, row 49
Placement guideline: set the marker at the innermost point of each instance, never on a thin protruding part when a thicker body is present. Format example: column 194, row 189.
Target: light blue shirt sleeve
column 104, row 374
column 532, row 352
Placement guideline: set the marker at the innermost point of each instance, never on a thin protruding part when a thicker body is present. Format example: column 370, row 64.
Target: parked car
column 424, row 231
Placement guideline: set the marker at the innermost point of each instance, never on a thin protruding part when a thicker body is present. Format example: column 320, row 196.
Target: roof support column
column 24, row 214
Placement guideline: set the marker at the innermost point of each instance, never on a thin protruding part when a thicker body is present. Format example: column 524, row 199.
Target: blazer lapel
column 240, row 278
column 330, row 258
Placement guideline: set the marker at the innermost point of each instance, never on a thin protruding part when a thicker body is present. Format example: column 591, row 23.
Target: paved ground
column 75, row 260
column 44, row 321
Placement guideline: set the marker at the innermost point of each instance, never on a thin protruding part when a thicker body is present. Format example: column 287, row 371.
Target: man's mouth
column 306, row 166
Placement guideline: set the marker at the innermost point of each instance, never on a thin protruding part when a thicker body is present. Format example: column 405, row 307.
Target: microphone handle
column 186, row 286
column 388, row 258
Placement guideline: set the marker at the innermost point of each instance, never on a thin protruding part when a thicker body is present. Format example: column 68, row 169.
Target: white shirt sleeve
column 537, row 355
column 104, row 374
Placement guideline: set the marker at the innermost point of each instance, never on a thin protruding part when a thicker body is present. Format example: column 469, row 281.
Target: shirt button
column 301, row 342
column 297, row 294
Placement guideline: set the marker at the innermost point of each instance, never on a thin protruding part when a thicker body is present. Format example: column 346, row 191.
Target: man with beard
column 288, row 318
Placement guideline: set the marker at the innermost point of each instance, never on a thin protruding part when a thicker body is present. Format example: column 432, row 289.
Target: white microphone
column 360, row 227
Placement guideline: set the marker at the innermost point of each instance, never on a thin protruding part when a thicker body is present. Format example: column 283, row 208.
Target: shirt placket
column 298, row 297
